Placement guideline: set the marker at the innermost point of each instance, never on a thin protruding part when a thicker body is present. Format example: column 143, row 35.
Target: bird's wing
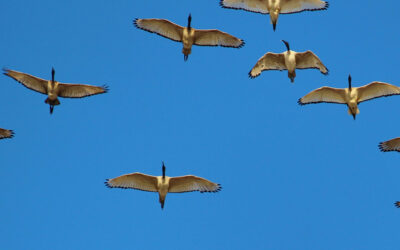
column 29, row 81
column 258, row 6
column 294, row 6
column 6, row 133
column 79, row 90
column 324, row 94
column 135, row 181
column 269, row 61
column 190, row 183
column 216, row 38
column 397, row 204
column 308, row 60
column 391, row 145
column 161, row 27
column 375, row 90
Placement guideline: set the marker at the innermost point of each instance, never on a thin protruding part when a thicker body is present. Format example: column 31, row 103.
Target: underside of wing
column 135, row 181
column 79, row 90
column 216, row 38
column 295, row 6
column 190, row 183
column 161, row 27
column 376, row 90
column 308, row 60
column 391, row 145
column 29, row 81
column 258, row 6
column 324, row 94
column 6, row 133
column 270, row 61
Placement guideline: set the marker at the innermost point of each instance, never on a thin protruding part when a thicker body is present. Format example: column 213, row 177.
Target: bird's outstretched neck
column 163, row 170
column 349, row 82
column 189, row 21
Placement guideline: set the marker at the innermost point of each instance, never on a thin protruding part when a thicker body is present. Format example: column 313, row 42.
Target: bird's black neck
column 189, row 22
column 52, row 75
column 349, row 82
column 163, row 171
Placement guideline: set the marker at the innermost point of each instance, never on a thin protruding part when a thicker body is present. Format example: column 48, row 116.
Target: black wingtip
column 135, row 23
column 12, row 134
column 107, row 184
column 106, row 88
column 380, row 146
column 251, row 76
column 397, row 204
column 299, row 102
column 326, row 5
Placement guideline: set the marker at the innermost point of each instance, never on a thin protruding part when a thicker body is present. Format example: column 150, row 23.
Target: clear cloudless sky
column 293, row 177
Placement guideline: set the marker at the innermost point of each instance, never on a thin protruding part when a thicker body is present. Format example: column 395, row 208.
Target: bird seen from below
column 351, row 96
column 6, row 133
column 289, row 60
column 275, row 7
column 54, row 89
column 163, row 184
column 188, row 35
column 390, row 145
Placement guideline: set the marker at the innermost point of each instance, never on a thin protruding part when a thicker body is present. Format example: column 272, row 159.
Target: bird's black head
column 287, row 44
column 163, row 169
column 189, row 20
column 349, row 82
column 53, row 72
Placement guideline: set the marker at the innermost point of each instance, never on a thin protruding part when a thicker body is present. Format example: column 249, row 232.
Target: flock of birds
column 288, row 60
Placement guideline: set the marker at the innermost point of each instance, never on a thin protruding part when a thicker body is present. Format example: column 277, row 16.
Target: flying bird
column 391, row 145
column 6, row 133
column 275, row 7
column 350, row 96
column 187, row 35
column 163, row 184
column 289, row 60
column 54, row 89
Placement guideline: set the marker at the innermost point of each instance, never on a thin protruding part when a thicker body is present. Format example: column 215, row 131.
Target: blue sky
column 293, row 177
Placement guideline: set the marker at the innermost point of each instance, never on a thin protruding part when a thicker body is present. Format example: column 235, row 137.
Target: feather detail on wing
column 190, row 183
column 375, row 90
column 258, row 6
column 6, row 133
column 308, row 60
column 161, row 27
column 270, row 61
column 295, row 6
column 324, row 94
column 79, row 90
column 29, row 81
column 391, row 145
column 135, row 181
column 216, row 38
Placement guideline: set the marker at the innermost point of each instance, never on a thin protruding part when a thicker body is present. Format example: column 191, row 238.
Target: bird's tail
column 52, row 103
column 292, row 75
column 162, row 200
column 186, row 52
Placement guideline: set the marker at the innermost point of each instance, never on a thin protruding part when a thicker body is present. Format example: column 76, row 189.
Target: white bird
column 54, row 89
column 350, row 96
column 188, row 35
column 391, row 145
column 6, row 133
column 163, row 184
column 289, row 60
column 275, row 7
